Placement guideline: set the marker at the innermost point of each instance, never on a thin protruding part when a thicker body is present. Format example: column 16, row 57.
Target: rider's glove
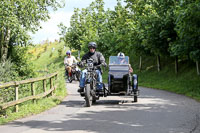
column 104, row 64
column 80, row 64
column 66, row 64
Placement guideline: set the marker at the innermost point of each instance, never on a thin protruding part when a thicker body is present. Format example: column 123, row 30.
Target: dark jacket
column 96, row 56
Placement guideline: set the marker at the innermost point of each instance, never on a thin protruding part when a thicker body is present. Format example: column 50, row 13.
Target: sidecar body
column 120, row 80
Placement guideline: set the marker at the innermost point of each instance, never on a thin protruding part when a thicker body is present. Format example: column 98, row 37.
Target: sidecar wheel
column 88, row 97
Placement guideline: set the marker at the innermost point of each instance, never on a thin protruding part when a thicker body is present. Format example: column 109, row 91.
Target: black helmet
column 92, row 44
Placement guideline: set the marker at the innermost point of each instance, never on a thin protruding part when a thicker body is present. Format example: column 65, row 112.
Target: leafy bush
column 45, row 48
column 51, row 54
column 7, row 71
column 60, row 51
column 22, row 62
column 38, row 56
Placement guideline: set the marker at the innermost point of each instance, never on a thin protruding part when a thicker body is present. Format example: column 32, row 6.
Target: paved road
column 156, row 112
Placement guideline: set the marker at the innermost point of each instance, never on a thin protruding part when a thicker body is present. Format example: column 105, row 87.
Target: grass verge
column 186, row 82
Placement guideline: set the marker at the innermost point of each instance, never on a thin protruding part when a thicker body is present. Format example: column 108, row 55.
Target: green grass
column 29, row 109
column 186, row 82
column 45, row 60
column 44, row 65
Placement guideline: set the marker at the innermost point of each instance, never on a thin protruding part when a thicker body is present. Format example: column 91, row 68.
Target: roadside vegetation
column 186, row 82
column 49, row 61
column 20, row 59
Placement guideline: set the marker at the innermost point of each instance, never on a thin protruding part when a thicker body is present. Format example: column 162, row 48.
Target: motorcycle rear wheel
column 94, row 99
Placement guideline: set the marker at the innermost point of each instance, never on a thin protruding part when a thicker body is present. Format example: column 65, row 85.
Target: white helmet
column 121, row 55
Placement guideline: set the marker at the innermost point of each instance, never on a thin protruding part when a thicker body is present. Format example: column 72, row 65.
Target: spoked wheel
column 78, row 76
column 70, row 78
column 88, row 97
column 135, row 87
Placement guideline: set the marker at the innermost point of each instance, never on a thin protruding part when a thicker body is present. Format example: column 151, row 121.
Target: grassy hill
column 46, row 58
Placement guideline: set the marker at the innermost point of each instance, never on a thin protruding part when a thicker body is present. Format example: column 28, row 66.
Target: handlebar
column 84, row 62
column 74, row 64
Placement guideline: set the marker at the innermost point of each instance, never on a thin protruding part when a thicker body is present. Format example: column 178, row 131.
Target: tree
column 17, row 17
column 155, row 22
column 85, row 26
column 188, row 29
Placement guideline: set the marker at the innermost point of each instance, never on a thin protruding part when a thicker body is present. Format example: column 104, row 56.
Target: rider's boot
column 81, row 89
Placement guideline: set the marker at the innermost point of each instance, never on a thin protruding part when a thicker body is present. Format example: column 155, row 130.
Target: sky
column 50, row 28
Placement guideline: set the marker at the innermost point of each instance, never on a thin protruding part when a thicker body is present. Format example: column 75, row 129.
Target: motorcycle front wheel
column 78, row 76
column 88, row 97
column 70, row 78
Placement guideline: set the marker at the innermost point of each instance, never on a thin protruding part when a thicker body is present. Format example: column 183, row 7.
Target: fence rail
column 34, row 96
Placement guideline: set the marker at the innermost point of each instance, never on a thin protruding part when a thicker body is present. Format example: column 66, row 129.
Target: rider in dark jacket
column 98, row 60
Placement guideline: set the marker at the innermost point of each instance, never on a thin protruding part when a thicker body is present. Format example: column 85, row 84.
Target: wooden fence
column 16, row 84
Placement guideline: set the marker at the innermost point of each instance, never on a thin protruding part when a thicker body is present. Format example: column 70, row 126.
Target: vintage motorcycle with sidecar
column 120, row 81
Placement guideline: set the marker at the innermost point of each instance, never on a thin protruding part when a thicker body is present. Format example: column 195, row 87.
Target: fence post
column 197, row 65
column 16, row 97
column 56, row 77
column 51, row 85
column 140, row 64
column 16, row 84
column 33, row 91
column 176, row 65
column 44, row 85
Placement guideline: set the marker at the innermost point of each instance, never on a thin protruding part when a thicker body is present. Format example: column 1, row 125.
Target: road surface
column 155, row 112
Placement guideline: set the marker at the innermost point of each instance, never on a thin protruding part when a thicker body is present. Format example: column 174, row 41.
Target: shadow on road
column 114, row 117
column 72, row 103
column 152, row 114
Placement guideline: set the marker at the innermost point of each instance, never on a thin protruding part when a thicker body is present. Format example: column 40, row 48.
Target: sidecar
column 120, row 80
